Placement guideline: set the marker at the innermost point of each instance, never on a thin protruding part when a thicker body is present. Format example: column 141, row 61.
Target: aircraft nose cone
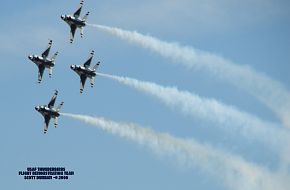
column 62, row 16
column 36, row 108
column 30, row 57
column 72, row 66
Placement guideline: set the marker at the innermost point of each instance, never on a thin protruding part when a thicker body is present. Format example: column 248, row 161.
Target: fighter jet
column 85, row 72
column 43, row 61
column 74, row 21
column 49, row 111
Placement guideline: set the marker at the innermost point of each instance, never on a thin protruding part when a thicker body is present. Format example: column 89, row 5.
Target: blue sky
column 255, row 33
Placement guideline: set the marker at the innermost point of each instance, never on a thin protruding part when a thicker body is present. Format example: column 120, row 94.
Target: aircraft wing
column 72, row 32
column 46, row 52
column 83, row 81
column 78, row 12
column 46, row 123
column 40, row 72
column 88, row 62
column 52, row 101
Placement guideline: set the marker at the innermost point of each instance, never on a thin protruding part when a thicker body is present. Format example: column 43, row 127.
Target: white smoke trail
column 228, row 118
column 270, row 92
column 235, row 172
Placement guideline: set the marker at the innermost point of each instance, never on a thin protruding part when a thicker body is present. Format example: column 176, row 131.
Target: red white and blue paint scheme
column 84, row 71
column 74, row 21
column 49, row 111
column 43, row 61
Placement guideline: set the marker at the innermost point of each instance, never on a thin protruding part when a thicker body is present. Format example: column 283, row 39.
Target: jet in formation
column 74, row 21
column 84, row 71
column 49, row 111
column 43, row 61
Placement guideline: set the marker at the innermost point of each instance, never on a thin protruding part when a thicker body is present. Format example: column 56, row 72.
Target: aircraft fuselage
column 46, row 111
column 81, row 70
column 71, row 20
column 38, row 60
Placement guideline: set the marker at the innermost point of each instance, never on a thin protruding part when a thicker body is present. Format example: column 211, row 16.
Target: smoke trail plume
column 270, row 92
column 235, row 172
column 227, row 117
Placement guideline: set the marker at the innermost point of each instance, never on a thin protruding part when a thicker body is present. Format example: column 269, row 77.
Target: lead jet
column 49, row 111
column 74, row 21
column 43, row 61
column 84, row 71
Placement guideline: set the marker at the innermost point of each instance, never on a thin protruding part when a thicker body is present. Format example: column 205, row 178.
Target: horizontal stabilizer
column 54, row 56
column 82, row 32
column 55, row 122
column 59, row 106
column 50, row 72
column 96, row 66
column 92, row 80
column 86, row 16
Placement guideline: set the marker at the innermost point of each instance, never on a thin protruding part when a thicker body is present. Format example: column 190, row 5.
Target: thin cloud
column 195, row 16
